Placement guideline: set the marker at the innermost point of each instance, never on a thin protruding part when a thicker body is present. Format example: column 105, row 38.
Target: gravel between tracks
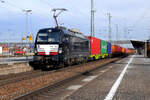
column 10, row 91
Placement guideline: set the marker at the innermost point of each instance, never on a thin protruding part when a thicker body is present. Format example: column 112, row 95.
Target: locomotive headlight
column 60, row 50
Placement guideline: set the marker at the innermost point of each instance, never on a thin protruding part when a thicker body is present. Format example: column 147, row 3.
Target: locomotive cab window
column 54, row 37
column 49, row 37
column 42, row 37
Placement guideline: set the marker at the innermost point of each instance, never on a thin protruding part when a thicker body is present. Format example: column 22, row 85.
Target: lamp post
column 27, row 13
column 92, row 17
column 9, row 33
column 117, row 35
column 109, row 27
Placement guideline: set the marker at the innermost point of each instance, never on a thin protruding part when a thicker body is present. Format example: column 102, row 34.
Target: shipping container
column 112, row 49
column 131, row 51
column 103, row 48
column 95, row 47
column 119, row 49
column 116, row 50
column 125, row 51
column 108, row 48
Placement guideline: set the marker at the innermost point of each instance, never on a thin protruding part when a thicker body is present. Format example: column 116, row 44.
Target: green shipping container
column 103, row 47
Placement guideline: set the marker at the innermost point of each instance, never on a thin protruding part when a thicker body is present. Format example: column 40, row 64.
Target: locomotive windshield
column 54, row 37
column 49, row 37
column 42, row 37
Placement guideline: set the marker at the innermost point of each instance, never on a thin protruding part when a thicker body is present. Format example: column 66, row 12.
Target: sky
column 131, row 16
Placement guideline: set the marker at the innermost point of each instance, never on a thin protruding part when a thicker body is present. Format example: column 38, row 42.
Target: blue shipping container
column 108, row 48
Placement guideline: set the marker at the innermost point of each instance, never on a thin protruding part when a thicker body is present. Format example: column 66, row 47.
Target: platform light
column 27, row 11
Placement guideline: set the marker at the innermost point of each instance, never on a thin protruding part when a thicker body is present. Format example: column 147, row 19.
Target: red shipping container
column 131, row 51
column 116, row 49
column 119, row 49
column 94, row 45
column 112, row 49
column 125, row 51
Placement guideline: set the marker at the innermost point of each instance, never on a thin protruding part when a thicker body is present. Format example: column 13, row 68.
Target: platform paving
column 135, row 84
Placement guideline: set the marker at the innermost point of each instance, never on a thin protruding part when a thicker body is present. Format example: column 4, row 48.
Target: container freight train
column 65, row 46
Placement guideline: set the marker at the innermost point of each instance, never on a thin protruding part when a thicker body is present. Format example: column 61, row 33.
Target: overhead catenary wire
column 51, row 6
column 11, row 4
column 141, row 17
column 77, row 8
column 46, row 2
column 66, row 6
column 16, row 6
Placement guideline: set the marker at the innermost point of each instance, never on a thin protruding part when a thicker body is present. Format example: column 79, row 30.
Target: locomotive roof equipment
column 56, row 15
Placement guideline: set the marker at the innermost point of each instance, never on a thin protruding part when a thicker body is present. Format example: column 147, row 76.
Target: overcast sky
column 128, row 14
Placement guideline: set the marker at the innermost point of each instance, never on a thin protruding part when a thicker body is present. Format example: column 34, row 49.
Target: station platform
column 127, row 79
column 134, row 85
column 6, row 60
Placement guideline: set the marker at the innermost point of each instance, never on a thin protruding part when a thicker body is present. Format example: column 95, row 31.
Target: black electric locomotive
column 61, row 46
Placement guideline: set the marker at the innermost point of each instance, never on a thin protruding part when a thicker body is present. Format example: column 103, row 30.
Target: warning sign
column 23, row 38
column 30, row 38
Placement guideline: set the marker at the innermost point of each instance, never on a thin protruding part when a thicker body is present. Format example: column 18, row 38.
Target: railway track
column 35, row 80
column 18, row 77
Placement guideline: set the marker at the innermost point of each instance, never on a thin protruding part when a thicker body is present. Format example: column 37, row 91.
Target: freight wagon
column 103, row 49
column 109, row 49
column 95, row 47
column 99, row 48
column 131, row 51
column 116, row 50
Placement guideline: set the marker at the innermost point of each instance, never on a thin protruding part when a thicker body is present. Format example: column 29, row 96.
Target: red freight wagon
column 112, row 49
column 124, row 50
column 119, row 49
column 116, row 49
column 94, row 45
column 130, row 51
